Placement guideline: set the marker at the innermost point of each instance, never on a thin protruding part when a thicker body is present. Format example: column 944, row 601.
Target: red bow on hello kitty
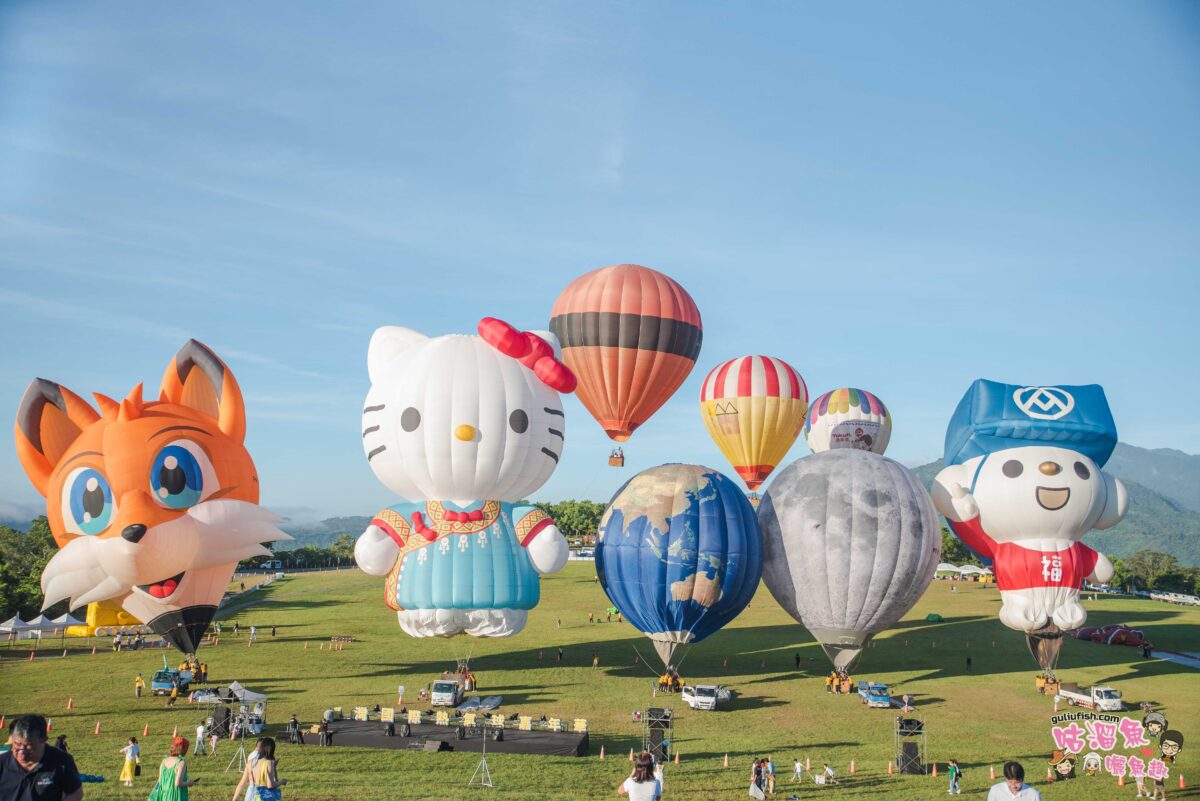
column 530, row 350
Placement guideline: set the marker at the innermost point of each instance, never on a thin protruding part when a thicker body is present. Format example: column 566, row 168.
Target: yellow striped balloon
column 754, row 408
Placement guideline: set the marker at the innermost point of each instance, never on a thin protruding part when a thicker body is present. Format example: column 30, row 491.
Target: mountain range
column 1164, row 507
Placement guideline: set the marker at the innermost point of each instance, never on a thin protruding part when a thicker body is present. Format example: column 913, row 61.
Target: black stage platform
column 369, row 734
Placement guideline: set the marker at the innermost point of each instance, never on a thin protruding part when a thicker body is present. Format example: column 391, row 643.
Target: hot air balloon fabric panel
column 631, row 335
column 848, row 418
column 851, row 540
column 463, row 427
column 754, row 408
column 152, row 502
column 679, row 553
column 1023, row 484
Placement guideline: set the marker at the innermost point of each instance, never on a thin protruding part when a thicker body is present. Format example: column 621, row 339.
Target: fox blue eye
column 176, row 479
column 91, row 501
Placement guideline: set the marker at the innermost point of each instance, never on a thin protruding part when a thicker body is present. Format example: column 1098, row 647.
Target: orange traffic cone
column 889, row 767
column 1182, row 786
column 991, row 773
column 1049, row 775
column 1, row 721
column 97, row 728
column 852, row 770
column 93, row 650
column 49, row 725
column 676, row 757
column 175, row 733
column 1121, row 780
column 807, row 765
column 64, row 652
column 935, row 770
column 726, row 760
column 630, row 754
column 146, row 730
column 70, row 703
column 601, row 753
column 31, row 656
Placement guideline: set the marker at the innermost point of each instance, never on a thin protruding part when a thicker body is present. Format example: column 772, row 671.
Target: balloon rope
column 687, row 651
column 642, row 659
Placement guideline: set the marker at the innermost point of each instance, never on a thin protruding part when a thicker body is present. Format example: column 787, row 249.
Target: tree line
column 24, row 554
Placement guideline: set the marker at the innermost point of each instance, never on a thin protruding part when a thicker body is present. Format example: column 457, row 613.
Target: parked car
column 705, row 696
column 164, row 680
column 874, row 694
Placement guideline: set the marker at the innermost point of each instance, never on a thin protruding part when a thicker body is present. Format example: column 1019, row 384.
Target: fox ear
column 196, row 378
column 49, row 419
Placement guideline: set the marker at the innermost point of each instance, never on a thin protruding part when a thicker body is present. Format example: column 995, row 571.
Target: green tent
column 933, row 617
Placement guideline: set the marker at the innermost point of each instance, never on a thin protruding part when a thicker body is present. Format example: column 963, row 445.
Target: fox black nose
column 134, row 533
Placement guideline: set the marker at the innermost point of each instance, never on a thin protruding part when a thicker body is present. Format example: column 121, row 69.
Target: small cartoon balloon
column 848, row 418
column 754, row 408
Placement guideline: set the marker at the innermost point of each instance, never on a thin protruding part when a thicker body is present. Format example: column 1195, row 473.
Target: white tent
column 244, row 695
column 946, row 567
column 972, row 569
column 65, row 620
column 13, row 624
column 42, row 623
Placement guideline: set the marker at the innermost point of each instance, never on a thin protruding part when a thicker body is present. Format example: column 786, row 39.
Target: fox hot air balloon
column 848, row 418
column 679, row 553
column 754, row 408
column 850, row 542
column 631, row 335
column 152, row 502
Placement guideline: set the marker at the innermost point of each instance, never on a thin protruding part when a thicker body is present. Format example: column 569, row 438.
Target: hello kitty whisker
column 548, row 410
column 369, row 430
column 550, row 453
column 556, row 432
column 376, row 451
column 380, row 407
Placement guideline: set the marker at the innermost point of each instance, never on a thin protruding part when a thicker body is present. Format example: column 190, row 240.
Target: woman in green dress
column 173, row 782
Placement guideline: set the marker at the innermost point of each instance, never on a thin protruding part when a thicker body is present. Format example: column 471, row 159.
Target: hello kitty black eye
column 410, row 419
column 518, row 421
column 1082, row 471
column 1012, row 468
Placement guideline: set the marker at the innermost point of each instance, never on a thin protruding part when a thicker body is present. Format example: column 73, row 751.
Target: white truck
column 705, row 696
column 448, row 690
column 1102, row 699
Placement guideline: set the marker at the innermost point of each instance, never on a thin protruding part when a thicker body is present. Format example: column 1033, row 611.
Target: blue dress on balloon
column 462, row 557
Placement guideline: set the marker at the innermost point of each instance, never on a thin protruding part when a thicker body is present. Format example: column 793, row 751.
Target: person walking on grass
column 247, row 779
column 771, row 774
column 139, row 684
column 174, row 694
column 267, row 783
column 173, row 782
column 955, row 774
column 641, row 784
column 1013, row 788
column 797, row 772
column 129, row 769
column 201, row 740
column 595, row 660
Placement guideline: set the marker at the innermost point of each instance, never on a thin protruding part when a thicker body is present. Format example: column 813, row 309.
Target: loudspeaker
column 405, row 730
column 909, row 759
column 499, row 736
column 657, row 750
column 658, row 718
column 460, row 733
column 909, row 727
column 436, row 745
column 389, row 730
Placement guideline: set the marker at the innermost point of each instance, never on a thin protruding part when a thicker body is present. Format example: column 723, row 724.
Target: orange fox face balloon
column 152, row 503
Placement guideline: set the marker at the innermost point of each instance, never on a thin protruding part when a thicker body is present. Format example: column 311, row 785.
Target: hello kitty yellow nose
column 465, row 432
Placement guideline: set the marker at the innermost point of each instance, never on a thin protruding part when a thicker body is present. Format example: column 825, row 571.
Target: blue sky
column 898, row 196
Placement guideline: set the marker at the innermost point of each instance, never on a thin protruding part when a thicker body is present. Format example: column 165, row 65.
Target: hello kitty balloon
column 463, row 427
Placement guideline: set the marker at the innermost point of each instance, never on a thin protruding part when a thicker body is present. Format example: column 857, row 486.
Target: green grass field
column 980, row 717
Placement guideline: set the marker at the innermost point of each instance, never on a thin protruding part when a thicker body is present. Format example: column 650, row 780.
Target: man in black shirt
column 35, row 771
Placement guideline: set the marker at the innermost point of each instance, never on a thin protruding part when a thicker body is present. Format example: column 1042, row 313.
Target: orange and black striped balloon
column 631, row 335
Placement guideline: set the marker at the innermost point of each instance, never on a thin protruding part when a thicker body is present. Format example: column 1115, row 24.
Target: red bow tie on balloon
column 530, row 350
column 463, row 517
